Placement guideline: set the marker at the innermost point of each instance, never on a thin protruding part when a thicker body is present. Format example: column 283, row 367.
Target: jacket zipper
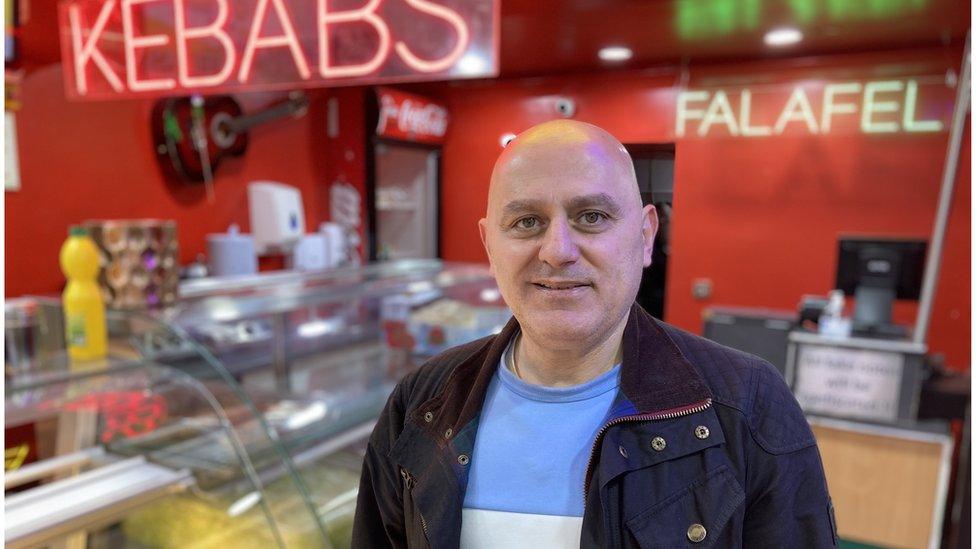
column 408, row 480
column 656, row 416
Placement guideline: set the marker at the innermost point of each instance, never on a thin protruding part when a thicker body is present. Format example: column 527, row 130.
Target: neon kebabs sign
column 120, row 48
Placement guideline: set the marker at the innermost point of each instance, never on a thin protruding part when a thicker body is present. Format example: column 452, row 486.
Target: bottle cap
column 77, row 230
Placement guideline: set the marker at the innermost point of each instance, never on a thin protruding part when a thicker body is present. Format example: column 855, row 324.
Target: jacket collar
column 655, row 377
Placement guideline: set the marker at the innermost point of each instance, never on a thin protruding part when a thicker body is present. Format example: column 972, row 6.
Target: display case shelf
column 36, row 516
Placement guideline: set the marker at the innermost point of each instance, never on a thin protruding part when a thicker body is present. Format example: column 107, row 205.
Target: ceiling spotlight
column 615, row 54
column 783, row 37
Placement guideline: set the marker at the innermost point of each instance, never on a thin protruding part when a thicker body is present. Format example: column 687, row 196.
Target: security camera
column 566, row 107
column 506, row 139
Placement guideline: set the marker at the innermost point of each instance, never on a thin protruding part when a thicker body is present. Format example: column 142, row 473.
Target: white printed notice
column 848, row 382
column 11, row 168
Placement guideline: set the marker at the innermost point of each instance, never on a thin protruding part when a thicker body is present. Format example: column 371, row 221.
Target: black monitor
column 876, row 272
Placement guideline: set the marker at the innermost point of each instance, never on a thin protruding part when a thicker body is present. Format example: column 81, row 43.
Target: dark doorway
column 654, row 166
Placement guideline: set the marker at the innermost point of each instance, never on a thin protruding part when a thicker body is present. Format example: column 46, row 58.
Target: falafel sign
column 128, row 48
column 884, row 106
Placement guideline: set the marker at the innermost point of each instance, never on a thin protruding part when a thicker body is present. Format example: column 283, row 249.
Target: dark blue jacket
column 706, row 447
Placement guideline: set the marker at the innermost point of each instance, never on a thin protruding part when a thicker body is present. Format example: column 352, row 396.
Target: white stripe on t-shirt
column 482, row 529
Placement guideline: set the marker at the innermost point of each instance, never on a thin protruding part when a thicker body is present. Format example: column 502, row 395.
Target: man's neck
column 565, row 367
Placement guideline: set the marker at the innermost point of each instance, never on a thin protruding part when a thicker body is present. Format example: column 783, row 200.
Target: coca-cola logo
column 412, row 118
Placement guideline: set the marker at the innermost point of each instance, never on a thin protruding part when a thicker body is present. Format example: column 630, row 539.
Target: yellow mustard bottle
column 84, row 309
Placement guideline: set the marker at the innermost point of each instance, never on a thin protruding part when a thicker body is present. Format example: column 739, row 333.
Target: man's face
column 566, row 235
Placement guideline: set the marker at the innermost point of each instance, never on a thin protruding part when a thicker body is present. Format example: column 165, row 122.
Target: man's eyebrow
column 519, row 206
column 599, row 200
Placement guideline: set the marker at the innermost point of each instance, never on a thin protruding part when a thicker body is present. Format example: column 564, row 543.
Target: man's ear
column 648, row 231
column 483, row 231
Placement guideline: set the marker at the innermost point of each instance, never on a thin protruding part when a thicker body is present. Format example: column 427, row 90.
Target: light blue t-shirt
column 530, row 456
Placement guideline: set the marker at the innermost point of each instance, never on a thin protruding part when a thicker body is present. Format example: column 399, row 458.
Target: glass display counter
column 237, row 417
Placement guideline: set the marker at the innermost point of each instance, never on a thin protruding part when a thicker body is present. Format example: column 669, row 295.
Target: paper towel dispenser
column 277, row 216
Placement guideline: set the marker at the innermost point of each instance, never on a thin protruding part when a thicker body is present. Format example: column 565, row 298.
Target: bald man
column 586, row 422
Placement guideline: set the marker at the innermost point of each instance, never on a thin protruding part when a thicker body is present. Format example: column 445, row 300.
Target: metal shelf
column 64, row 506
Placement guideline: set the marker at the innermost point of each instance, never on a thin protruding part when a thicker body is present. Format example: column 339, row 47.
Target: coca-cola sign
column 410, row 117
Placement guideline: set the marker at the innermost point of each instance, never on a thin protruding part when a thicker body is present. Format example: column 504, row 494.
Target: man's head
column 565, row 232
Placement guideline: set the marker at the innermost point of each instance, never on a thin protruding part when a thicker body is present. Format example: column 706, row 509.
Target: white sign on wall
column 11, row 166
column 848, row 382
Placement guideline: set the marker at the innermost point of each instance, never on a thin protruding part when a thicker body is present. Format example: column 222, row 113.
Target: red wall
column 759, row 217
column 83, row 161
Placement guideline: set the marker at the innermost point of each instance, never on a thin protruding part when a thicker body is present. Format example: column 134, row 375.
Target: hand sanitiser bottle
column 832, row 322
column 84, row 309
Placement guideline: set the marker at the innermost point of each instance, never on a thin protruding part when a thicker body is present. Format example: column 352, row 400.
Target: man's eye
column 593, row 218
column 526, row 223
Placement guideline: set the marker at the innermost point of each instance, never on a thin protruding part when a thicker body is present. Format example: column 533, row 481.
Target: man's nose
column 558, row 245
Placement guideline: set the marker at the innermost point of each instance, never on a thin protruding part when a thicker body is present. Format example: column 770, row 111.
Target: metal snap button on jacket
column 463, row 459
column 623, row 451
column 701, row 432
column 428, row 417
column 696, row 532
column 658, row 443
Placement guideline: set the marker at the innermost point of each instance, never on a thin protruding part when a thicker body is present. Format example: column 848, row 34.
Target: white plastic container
column 311, row 253
column 231, row 253
column 325, row 249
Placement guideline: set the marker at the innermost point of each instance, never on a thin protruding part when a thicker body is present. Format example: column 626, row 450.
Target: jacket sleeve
column 787, row 502
column 379, row 509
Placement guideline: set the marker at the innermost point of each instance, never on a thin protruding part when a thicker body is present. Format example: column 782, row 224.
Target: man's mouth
column 559, row 284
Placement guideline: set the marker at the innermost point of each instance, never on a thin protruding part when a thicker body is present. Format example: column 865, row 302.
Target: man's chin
column 559, row 326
